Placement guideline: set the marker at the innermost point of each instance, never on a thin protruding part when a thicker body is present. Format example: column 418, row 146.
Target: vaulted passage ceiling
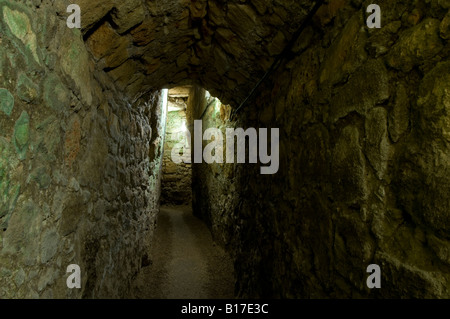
column 225, row 46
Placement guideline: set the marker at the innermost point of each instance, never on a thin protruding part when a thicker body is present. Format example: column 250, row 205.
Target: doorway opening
column 176, row 184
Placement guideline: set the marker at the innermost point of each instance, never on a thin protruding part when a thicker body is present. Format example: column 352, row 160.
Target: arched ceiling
column 223, row 45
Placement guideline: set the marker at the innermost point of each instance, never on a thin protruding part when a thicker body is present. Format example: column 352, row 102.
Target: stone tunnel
column 364, row 142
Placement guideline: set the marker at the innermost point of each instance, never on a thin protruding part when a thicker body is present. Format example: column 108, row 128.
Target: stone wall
column 213, row 184
column 364, row 166
column 79, row 162
column 364, row 143
column 176, row 184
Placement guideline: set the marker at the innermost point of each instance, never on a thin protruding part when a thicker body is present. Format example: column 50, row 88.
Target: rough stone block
column 56, row 95
column 128, row 14
column 348, row 167
column 417, row 45
column 22, row 135
column 20, row 26
column 104, row 41
column 144, row 33
column 346, row 53
column 93, row 11
column 434, row 101
column 371, row 82
column 74, row 60
column 415, row 282
column 6, row 101
column 72, row 213
column 377, row 142
column 399, row 115
column 24, row 227
column 49, row 245
column 26, row 89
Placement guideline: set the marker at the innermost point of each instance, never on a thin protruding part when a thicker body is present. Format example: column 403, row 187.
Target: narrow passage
column 185, row 261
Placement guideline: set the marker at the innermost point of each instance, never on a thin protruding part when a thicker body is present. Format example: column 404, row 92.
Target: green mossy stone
column 6, row 101
column 22, row 135
column 19, row 25
column 26, row 89
column 56, row 94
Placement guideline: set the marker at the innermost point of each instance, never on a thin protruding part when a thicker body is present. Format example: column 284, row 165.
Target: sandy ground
column 185, row 261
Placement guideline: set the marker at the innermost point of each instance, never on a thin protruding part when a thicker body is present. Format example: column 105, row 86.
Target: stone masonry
column 364, row 118
column 176, row 183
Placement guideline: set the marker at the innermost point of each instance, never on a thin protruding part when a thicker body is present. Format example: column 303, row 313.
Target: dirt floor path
column 185, row 261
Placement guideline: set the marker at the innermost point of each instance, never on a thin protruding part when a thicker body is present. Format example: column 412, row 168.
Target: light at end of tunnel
column 183, row 127
column 165, row 95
